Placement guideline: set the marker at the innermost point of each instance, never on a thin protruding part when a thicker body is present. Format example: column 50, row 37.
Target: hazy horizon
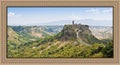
column 54, row 25
column 31, row 16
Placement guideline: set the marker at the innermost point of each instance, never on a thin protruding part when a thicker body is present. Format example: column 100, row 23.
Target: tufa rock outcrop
column 76, row 31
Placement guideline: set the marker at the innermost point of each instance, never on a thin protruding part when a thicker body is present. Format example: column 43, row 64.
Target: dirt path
column 79, row 39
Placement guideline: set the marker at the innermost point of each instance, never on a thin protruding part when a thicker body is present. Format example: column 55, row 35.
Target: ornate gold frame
column 19, row 61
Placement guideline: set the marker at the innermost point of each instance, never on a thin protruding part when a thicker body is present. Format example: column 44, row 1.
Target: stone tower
column 73, row 22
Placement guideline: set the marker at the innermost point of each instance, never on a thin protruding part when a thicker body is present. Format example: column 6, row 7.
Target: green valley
column 68, row 41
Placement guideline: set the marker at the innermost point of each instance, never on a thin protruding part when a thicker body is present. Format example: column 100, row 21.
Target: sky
column 94, row 16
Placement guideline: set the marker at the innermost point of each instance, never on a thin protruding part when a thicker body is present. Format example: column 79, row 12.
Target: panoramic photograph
column 60, row 32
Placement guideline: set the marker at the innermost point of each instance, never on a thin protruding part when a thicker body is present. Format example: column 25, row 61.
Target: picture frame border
column 60, row 3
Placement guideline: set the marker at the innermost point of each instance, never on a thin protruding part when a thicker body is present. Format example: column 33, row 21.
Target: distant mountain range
column 89, row 22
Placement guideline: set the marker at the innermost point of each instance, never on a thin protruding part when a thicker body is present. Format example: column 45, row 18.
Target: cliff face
column 77, row 32
column 67, row 33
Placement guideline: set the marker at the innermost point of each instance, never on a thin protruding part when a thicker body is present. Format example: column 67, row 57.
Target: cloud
column 91, row 14
column 107, row 11
column 99, row 11
column 73, row 17
column 12, row 14
column 98, row 14
column 92, row 10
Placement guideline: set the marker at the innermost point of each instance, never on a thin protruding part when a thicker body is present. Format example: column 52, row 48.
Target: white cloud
column 98, row 14
column 73, row 17
column 93, row 14
column 97, row 11
column 107, row 11
column 12, row 14
column 93, row 10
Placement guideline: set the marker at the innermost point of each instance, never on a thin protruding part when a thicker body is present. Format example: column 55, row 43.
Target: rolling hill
column 68, row 41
